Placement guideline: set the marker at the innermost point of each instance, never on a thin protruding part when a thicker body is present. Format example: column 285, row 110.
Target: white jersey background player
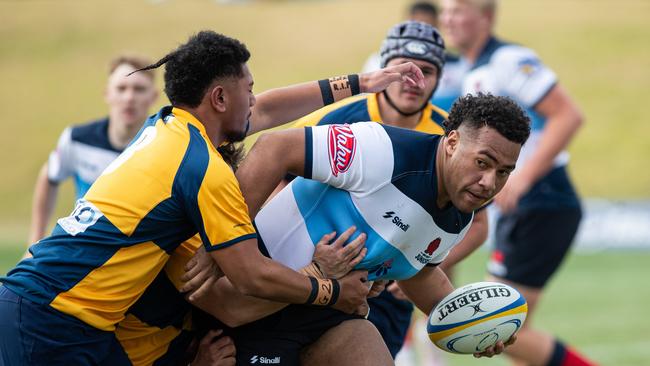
column 411, row 193
column 539, row 208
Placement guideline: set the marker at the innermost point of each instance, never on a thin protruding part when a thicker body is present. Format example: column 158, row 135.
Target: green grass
column 597, row 303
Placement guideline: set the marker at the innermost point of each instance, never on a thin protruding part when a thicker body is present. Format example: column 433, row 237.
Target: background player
column 540, row 210
column 84, row 151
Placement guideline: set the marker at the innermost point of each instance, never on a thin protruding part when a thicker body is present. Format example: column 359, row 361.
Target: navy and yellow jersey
column 169, row 184
column 157, row 329
column 365, row 108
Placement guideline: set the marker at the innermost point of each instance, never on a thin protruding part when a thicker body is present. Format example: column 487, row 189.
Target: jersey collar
column 424, row 125
column 188, row 118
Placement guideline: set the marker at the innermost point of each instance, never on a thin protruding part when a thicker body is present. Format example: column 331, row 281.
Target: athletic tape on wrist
column 314, row 290
column 339, row 87
column 312, row 269
column 336, row 290
column 325, row 288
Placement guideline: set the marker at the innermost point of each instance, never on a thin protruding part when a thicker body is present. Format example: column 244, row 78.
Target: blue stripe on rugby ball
column 490, row 338
column 439, row 328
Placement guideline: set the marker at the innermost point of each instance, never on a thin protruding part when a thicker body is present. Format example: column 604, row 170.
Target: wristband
column 336, row 290
column 325, row 289
column 339, row 87
column 314, row 291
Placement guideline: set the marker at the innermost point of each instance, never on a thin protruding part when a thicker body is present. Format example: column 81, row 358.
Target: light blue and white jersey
column 514, row 71
column 381, row 179
column 83, row 152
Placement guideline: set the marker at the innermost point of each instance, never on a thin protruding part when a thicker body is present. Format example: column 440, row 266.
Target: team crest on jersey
column 529, row 65
column 84, row 216
column 425, row 256
column 382, row 269
column 342, row 145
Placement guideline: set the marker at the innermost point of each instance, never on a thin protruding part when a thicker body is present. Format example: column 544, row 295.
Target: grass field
column 598, row 302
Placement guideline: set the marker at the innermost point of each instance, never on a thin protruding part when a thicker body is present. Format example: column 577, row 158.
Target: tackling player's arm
column 258, row 175
column 204, row 284
column 279, row 106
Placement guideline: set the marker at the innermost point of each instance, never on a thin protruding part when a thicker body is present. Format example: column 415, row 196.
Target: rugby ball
column 476, row 316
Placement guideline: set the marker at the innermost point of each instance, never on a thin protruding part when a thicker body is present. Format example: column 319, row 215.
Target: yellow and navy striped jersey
column 167, row 186
column 157, row 329
column 365, row 108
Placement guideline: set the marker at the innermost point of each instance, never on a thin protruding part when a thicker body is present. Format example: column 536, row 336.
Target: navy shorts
column 531, row 244
column 34, row 334
column 279, row 338
column 392, row 317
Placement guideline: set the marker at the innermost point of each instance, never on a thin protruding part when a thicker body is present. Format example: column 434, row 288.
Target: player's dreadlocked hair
column 192, row 67
column 500, row 113
column 232, row 154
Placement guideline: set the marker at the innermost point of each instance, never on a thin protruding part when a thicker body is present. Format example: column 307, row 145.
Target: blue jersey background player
column 411, row 193
column 540, row 210
column 84, row 151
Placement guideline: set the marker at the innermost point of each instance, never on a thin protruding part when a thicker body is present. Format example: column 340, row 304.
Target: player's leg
column 11, row 342
column 531, row 344
column 392, row 318
column 530, row 246
column 353, row 342
column 45, row 336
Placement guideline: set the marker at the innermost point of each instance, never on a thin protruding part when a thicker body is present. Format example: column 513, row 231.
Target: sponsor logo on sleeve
column 342, row 145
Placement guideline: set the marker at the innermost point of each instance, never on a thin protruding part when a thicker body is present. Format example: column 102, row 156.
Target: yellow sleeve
column 224, row 218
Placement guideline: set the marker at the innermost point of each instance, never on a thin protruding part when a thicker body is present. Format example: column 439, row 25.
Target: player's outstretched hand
column 376, row 81
column 497, row 348
column 199, row 270
column 353, row 292
column 336, row 259
column 215, row 350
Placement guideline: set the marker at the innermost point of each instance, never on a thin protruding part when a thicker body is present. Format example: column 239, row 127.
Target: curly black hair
column 500, row 113
column 193, row 66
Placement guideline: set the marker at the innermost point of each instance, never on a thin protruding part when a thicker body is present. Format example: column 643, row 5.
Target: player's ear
column 452, row 141
column 218, row 98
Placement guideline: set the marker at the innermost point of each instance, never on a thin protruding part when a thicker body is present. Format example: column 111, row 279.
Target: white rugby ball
column 476, row 316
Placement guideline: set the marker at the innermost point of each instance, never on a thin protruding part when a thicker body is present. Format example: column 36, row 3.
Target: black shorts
column 531, row 244
column 279, row 338
column 392, row 318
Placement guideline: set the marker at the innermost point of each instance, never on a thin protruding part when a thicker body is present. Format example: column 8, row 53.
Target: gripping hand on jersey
column 376, row 81
column 334, row 259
